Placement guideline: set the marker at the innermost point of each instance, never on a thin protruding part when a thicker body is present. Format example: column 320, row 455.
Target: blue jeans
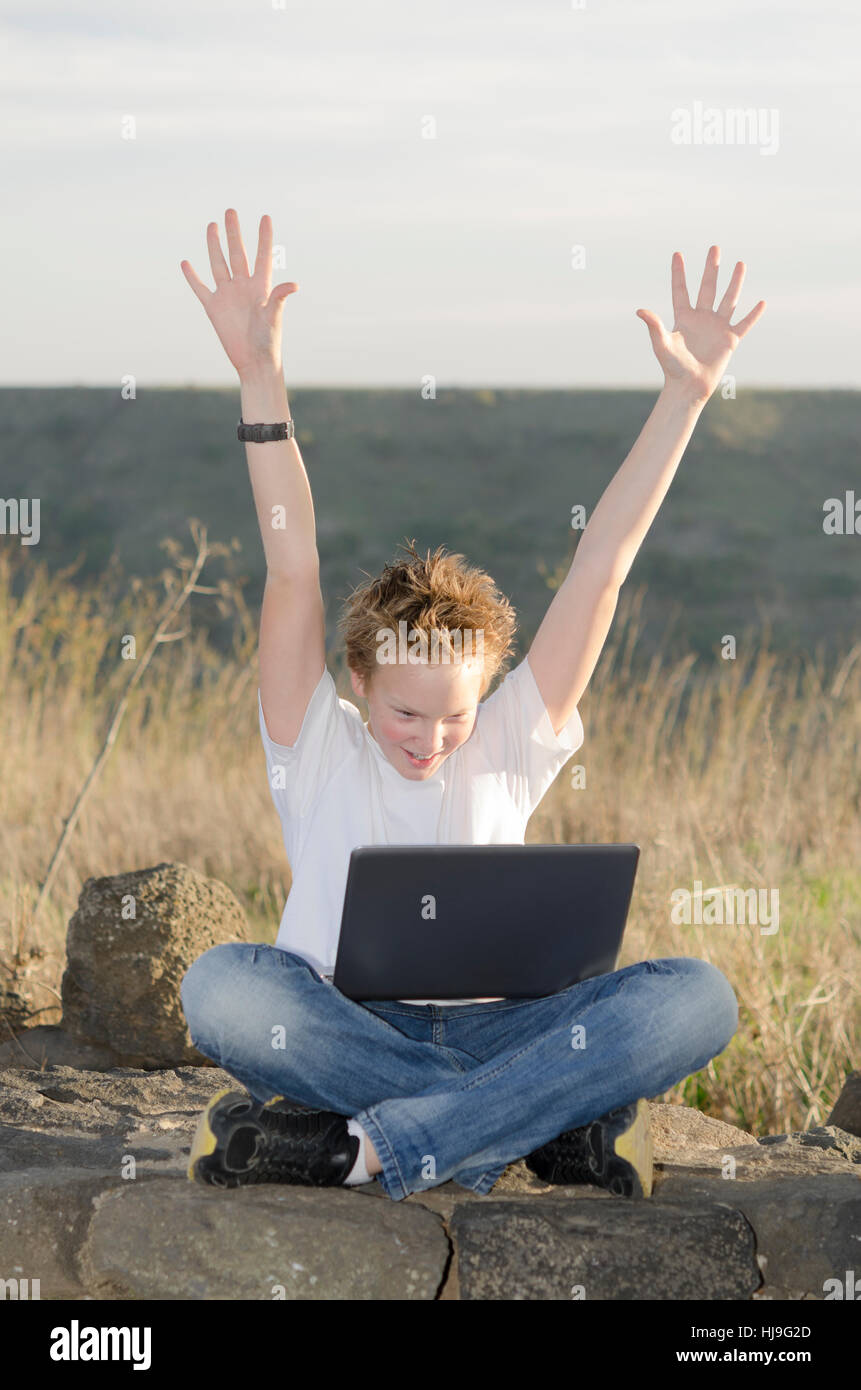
column 455, row 1092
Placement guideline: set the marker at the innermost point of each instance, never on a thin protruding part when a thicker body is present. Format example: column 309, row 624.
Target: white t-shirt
column 334, row 789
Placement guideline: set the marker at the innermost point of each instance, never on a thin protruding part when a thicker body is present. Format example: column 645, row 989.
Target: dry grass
column 746, row 773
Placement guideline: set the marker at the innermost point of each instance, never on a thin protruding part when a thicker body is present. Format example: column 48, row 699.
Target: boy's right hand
column 243, row 309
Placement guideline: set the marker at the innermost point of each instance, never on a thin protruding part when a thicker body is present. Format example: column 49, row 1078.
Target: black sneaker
column 614, row 1152
column 240, row 1141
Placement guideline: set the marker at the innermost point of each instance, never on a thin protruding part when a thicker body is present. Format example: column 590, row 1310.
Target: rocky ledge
column 97, row 1115
column 95, row 1204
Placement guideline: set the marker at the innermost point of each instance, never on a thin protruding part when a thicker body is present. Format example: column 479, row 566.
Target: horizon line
column 410, row 387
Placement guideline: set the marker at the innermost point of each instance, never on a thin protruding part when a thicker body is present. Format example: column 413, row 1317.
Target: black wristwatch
column 265, row 434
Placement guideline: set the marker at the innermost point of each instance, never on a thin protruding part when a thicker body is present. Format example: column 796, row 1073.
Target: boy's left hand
column 695, row 354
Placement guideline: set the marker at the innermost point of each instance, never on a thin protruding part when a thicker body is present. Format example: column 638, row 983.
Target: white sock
column 359, row 1171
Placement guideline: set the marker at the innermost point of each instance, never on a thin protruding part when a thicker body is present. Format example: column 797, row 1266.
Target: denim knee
column 204, row 991
column 716, row 998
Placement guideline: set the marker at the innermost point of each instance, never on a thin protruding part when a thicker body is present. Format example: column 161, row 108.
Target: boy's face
column 423, row 709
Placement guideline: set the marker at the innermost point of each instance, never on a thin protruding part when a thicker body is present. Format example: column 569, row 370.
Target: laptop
column 468, row 921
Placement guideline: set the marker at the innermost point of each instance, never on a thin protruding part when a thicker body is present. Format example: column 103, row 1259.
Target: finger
column 220, row 272
column 235, row 246
column 726, row 308
column 708, row 284
column 263, row 260
column 680, row 288
column 657, row 332
column 203, row 292
column 278, row 295
column 749, row 320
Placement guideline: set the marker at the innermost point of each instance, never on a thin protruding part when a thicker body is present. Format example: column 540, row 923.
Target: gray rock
column 829, row 1137
column 171, row 1239
column 125, row 1090
column 847, row 1108
column 808, row 1229
column 751, row 1165
column 775, row 1156
column 609, row 1250
column 44, row 1218
column 122, row 980
column 94, row 1120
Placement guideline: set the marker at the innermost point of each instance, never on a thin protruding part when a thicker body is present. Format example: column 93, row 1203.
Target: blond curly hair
column 428, row 592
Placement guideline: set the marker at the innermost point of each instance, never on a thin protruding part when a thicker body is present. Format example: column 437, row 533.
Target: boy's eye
column 408, row 714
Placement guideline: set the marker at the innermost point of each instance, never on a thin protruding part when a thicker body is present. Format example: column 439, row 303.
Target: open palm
column 695, row 354
column 244, row 309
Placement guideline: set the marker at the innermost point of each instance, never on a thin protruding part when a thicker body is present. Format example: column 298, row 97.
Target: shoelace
column 272, row 1159
column 298, row 1121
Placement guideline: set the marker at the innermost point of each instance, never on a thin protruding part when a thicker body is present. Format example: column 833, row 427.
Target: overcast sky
column 448, row 256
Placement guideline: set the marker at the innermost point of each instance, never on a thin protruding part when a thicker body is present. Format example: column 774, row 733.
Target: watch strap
column 265, row 434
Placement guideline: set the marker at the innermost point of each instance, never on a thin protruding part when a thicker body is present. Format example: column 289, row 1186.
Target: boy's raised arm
column 694, row 357
column 246, row 314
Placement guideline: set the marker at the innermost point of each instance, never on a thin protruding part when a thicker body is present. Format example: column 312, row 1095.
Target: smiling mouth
column 414, row 757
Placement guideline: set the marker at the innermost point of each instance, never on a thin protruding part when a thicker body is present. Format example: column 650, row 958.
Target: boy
column 415, row 1093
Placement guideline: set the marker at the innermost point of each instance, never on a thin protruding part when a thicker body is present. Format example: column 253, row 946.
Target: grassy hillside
column 737, row 546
